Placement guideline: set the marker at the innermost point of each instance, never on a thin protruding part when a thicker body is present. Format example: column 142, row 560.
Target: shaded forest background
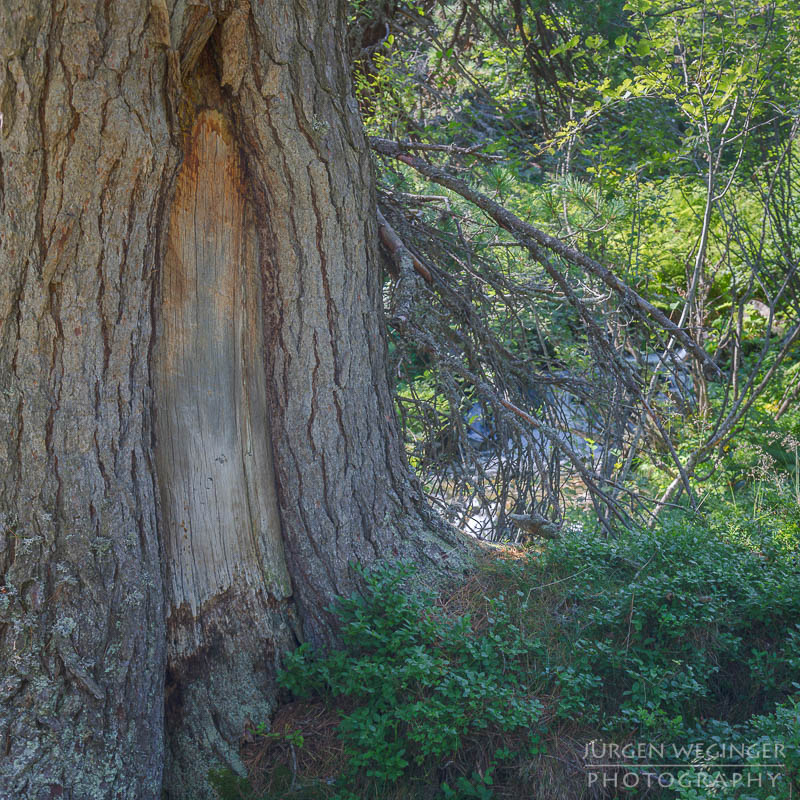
column 655, row 141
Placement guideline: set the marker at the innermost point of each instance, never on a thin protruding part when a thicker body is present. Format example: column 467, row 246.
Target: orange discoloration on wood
column 205, row 228
column 221, row 524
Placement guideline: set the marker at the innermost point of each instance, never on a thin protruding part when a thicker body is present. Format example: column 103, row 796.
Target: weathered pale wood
column 219, row 512
column 225, row 566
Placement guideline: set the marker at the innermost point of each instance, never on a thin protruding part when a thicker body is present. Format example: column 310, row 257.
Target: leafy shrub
column 667, row 627
column 420, row 685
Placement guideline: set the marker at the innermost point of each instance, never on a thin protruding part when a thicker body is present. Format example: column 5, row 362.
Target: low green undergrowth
column 422, row 685
column 686, row 634
column 661, row 630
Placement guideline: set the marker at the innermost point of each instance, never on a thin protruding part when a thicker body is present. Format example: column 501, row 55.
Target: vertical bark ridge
column 81, row 600
column 345, row 492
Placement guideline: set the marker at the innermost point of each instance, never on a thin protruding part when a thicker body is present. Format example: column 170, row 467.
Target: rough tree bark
column 198, row 439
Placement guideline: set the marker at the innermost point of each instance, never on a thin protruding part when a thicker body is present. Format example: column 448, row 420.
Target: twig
column 473, row 151
column 396, row 247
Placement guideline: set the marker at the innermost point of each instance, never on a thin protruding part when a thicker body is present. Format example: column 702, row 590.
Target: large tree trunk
column 84, row 166
column 197, row 434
